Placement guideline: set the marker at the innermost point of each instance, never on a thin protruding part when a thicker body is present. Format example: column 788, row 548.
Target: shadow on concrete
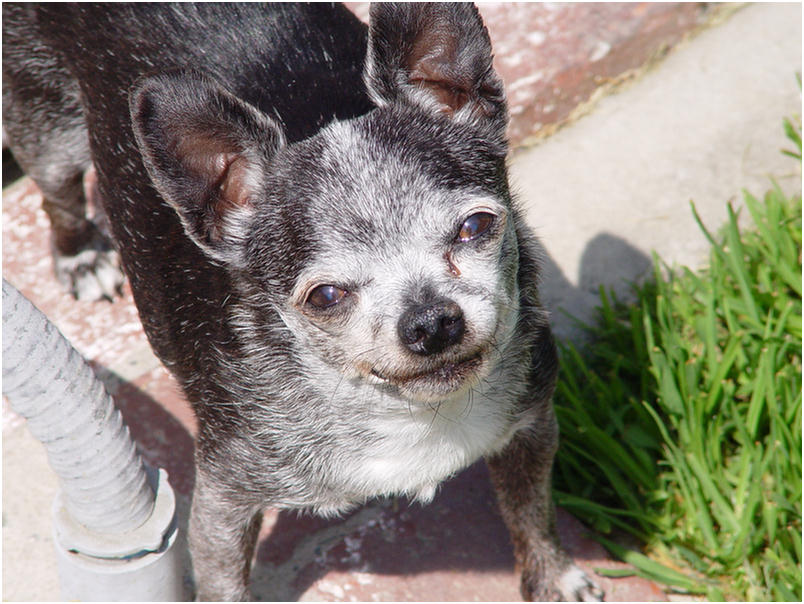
column 608, row 261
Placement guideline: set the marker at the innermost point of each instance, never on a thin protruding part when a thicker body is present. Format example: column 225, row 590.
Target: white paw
column 91, row 274
column 576, row 586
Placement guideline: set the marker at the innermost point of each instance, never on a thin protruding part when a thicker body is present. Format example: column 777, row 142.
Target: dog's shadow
column 461, row 530
column 607, row 261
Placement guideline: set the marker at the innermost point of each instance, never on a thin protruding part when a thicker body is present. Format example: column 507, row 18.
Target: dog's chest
column 413, row 450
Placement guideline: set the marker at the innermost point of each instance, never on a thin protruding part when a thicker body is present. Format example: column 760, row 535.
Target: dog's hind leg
column 84, row 261
column 44, row 124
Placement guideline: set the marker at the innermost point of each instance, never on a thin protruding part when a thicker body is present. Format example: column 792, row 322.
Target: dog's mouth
column 437, row 380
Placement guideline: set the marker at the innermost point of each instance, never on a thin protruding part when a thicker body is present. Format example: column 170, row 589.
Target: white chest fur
column 418, row 447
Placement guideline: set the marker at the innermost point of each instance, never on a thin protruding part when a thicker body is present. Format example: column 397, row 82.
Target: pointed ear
column 438, row 56
column 206, row 152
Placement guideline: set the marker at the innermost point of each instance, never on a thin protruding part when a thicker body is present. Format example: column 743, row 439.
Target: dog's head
column 386, row 243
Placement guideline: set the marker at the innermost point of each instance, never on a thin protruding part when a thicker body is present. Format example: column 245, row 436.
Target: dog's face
column 386, row 242
column 410, row 277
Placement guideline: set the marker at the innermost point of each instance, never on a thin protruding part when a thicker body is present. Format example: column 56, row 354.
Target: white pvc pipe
column 114, row 525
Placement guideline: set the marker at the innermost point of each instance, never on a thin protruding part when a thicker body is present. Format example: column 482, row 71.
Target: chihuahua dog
column 317, row 226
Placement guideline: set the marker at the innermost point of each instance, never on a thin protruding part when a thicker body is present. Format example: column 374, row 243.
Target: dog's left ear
column 437, row 56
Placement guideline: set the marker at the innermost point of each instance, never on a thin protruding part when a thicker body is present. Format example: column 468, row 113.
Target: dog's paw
column 570, row 585
column 576, row 586
column 92, row 274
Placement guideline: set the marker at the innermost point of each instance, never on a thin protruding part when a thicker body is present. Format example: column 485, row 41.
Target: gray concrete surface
column 602, row 193
column 702, row 125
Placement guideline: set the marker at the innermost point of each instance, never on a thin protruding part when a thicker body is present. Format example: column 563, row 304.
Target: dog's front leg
column 521, row 477
column 222, row 537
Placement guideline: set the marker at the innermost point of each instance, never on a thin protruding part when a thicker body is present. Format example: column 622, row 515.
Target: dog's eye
column 325, row 296
column 474, row 226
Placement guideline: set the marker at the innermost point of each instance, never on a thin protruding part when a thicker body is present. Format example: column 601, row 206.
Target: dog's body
column 334, row 270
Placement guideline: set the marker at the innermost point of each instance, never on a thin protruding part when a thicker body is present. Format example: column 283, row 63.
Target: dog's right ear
column 205, row 151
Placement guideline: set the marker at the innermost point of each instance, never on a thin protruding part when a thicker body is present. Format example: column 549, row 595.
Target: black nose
column 430, row 328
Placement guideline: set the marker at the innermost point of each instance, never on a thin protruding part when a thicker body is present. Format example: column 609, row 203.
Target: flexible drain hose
column 103, row 481
column 114, row 519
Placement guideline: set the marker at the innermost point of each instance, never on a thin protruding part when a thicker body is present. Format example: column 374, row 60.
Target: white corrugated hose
column 114, row 519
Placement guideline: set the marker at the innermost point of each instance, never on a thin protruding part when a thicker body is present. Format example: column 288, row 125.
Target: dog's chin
column 438, row 382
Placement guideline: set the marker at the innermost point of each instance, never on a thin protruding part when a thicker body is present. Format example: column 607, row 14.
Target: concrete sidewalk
column 601, row 193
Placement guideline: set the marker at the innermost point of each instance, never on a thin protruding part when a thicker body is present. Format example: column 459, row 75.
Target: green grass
column 681, row 422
